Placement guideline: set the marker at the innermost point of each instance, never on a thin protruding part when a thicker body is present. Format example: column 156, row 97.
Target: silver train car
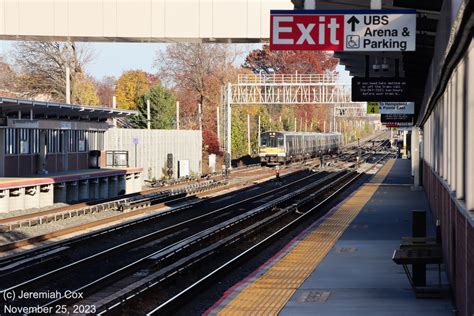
column 283, row 147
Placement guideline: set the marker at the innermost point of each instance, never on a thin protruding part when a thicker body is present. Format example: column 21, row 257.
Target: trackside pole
column 148, row 115
column 177, row 115
column 248, row 135
column 229, row 123
column 68, row 85
column 218, row 126
column 259, row 133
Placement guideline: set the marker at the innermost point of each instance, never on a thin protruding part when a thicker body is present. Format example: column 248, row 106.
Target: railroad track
column 16, row 267
column 84, row 229
column 213, row 274
column 168, row 191
column 121, row 204
column 173, row 256
column 188, row 238
column 129, row 296
column 134, row 201
column 162, row 207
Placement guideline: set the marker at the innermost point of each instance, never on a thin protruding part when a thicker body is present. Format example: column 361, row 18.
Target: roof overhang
column 60, row 110
column 412, row 65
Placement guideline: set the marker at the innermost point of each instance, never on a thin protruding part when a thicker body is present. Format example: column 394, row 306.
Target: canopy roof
column 54, row 110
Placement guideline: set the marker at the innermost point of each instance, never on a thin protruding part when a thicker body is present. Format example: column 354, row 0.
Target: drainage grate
column 314, row 296
column 346, row 250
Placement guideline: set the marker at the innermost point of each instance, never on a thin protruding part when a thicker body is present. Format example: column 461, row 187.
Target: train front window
column 270, row 140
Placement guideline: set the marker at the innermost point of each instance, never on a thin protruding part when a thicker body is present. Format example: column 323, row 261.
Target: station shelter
column 54, row 152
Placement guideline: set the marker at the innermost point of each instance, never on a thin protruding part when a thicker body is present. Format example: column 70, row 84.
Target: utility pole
column 295, row 123
column 177, row 115
column 200, row 115
column 68, row 85
column 218, row 125
column 114, row 106
column 258, row 134
column 148, row 114
column 229, row 123
column 248, row 135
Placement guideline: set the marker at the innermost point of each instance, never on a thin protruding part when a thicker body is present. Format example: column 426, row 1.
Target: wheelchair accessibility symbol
column 352, row 41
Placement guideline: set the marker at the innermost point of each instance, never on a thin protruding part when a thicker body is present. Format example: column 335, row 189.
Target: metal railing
column 329, row 78
column 116, row 158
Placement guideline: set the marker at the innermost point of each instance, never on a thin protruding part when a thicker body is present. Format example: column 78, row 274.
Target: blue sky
column 111, row 59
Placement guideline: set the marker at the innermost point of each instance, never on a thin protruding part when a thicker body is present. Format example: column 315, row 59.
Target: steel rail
column 145, row 238
column 185, row 244
column 41, row 249
column 224, row 267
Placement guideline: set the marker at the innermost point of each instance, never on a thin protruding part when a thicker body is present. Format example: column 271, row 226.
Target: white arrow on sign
column 380, row 32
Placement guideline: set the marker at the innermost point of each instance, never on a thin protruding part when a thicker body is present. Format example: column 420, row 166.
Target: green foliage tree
column 265, row 124
column 239, row 133
column 162, row 109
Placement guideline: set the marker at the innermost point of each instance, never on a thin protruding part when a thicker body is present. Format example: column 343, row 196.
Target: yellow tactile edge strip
column 269, row 293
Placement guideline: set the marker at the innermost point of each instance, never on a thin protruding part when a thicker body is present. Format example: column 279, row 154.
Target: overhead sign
column 379, row 89
column 372, row 108
column 398, row 125
column 391, row 107
column 396, row 120
column 25, row 123
column 397, row 107
column 343, row 30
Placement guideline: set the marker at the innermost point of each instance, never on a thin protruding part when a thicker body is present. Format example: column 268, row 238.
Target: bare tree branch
column 43, row 66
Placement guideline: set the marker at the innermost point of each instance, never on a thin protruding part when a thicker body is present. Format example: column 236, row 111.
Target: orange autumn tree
column 196, row 73
column 132, row 85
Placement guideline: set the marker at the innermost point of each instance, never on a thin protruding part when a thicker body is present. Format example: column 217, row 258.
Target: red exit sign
column 343, row 30
column 307, row 32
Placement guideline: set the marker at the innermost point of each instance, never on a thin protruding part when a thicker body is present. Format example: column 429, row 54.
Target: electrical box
column 183, row 168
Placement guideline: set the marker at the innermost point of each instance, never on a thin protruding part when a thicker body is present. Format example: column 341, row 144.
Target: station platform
column 67, row 187
column 342, row 264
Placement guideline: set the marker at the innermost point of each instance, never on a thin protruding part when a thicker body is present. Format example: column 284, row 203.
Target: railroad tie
column 268, row 293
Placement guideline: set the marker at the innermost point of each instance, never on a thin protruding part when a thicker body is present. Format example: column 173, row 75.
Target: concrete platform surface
column 73, row 175
column 358, row 276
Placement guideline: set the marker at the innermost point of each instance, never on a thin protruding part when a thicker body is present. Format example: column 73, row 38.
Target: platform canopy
column 54, row 110
column 442, row 33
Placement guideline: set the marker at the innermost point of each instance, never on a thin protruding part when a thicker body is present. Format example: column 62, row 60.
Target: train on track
column 284, row 147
